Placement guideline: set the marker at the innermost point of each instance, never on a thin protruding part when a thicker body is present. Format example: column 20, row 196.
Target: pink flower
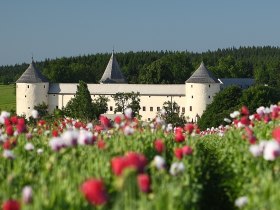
column 94, row 191
column 271, row 150
column 27, row 194
column 144, row 183
column 11, row 205
column 187, row 150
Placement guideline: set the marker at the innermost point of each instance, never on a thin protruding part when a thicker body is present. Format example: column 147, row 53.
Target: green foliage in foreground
column 7, row 97
column 220, row 170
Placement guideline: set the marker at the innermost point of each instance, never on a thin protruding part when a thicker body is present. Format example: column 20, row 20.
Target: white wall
column 198, row 96
column 29, row 95
column 58, row 100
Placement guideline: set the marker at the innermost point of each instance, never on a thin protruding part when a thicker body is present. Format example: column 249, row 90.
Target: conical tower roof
column 113, row 72
column 32, row 75
column 202, row 75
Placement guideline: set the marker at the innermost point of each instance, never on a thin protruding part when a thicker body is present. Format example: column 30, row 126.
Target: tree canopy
column 127, row 100
column 223, row 104
column 81, row 106
column 260, row 63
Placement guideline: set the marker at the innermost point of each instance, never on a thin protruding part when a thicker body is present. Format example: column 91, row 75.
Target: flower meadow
column 128, row 164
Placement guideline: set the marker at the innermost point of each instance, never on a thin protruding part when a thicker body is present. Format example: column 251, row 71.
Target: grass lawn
column 7, row 97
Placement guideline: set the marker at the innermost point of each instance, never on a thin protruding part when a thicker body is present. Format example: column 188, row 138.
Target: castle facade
column 32, row 88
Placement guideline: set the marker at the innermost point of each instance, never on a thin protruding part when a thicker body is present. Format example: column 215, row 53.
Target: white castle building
column 32, row 88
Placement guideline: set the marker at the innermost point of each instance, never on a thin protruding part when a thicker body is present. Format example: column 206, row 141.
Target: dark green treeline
column 261, row 63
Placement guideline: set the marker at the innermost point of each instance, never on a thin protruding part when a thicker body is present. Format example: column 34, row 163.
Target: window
column 149, row 119
column 151, row 109
column 191, row 86
column 208, row 96
column 209, row 85
column 27, row 86
column 25, row 96
column 28, row 107
column 158, row 108
column 183, row 109
column 192, row 96
column 190, row 108
column 44, row 86
column 53, row 94
column 149, row 96
column 144, row 108
column 57, row 107
column 111, row 108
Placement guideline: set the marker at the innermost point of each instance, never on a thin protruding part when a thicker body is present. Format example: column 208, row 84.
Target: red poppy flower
column 14, row 120
column 104, row 121
column 118, row 164
column 179, row 137
column 9, row 130
column 159, row 146
column 178, row 153
column 245, row 110
column 11, row 205
column 189, row 128
column 7, row 145
column 144, row 183
column 101, row 144
column 137, row 161
column 94, row 191
column 55, row 133
column 118, row 119
column 21, row 121
column 276, row 134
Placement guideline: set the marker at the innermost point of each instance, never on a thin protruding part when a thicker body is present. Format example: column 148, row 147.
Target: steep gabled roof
column 32, row 75
column 113, row 72
column 202, row 75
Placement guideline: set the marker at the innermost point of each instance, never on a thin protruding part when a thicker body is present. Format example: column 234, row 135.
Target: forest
column 160, row 67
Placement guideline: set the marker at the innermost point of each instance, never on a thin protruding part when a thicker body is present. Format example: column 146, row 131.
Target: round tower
column 201, row 87
column 31, row 90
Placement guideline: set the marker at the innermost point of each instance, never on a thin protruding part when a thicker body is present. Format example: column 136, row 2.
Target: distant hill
column 261, row 63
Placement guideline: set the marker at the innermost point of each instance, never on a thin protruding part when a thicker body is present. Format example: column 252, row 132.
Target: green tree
column 42, row 109
column 127, row 100
column 223, row 104
column 259, row 95
column 80, row 106
column 173, row 115
column 100, row 106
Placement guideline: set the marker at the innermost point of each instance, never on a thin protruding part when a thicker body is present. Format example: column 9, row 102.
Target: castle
column 32, row 88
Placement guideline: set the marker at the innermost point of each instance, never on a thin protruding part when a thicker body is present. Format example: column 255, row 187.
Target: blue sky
column 56, row 28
